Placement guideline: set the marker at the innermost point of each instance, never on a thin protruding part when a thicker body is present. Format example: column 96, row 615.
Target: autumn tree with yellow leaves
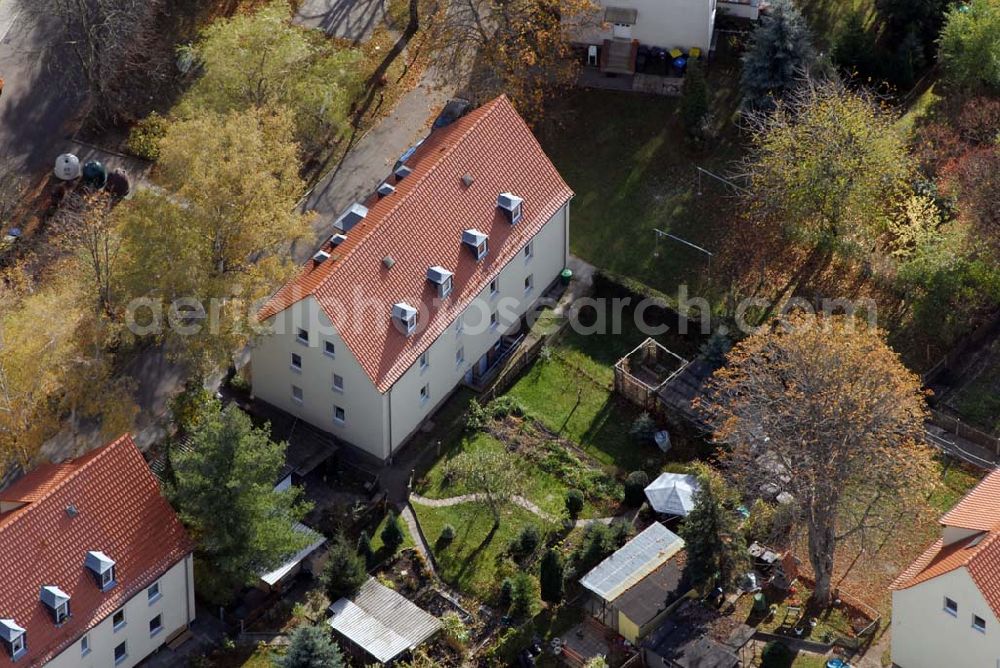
column 820, row 408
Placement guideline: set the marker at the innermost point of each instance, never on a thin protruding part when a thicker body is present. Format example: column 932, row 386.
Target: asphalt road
column 38, row 110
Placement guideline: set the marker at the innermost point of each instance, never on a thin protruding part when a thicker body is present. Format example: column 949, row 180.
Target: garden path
column 519, row 501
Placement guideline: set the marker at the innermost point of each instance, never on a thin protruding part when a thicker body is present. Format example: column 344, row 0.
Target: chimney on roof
column 72, row 511
column 467, row 180
column 387, row 261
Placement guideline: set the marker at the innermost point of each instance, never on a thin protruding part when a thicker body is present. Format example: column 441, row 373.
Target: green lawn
column 475, row 562
column 955, row 482
column 376, row 537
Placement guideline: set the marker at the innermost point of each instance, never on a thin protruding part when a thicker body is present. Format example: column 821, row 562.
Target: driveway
column 353, row 20
column 38, row 111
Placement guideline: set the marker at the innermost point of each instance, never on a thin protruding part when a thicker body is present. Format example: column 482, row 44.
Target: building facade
column 423, row 286
column 97, row 569
column 668, row 24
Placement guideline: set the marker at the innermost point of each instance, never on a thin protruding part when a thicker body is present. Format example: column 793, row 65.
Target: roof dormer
column 103, row 568
column 511, row 205
column 477, row 241
column 405, row 317
column 354, row 215
column 14, row 638
column 57, row 601
column 337, row 239
column 385, row 189
column 442, row 278
column 321, row 256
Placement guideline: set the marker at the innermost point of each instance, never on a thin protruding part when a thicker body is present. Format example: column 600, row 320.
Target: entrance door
column 622, row 31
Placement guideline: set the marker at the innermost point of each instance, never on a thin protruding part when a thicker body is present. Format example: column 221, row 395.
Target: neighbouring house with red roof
column 946, row 605
column 95, row 568
column 421, row 288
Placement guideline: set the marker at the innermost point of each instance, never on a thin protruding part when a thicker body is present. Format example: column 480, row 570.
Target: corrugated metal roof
column 634, row 561
column 382, row 622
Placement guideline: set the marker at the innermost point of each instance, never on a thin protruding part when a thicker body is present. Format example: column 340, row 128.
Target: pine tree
column 392, row 533
column 345, row 570
column 552, row 575
column 311, row 647
column 780, row 50
column 716, row 550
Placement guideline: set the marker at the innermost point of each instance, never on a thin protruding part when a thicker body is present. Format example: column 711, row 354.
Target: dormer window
column 477, row 241
column 337, row 239
column 103, row 568
column 511, row 205
column 406, row 316
column 57, row 601
column 442, row 278
column 354, row 215
column 14, row 638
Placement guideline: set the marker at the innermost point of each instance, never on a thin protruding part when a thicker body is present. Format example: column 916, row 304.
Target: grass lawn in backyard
column 376, row 537
column 978, row 400
column 475, row 561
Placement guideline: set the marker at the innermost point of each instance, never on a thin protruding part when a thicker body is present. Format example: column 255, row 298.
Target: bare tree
column 822, row 411
column 495, row 476
column 87, row 218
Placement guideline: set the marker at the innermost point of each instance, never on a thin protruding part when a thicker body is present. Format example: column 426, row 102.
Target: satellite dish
column 67, row 167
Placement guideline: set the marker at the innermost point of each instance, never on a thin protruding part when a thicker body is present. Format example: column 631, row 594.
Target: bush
column 694, row 100
column 775, row 655
column 574, row 503
column 476, row 417
column 144, row 137
column 635, row 488
column 365, row 547
column 524, row 599
column 970, row 44
column 506, row 405
column 311, row 646
column 552, row 577
column 643, row 429
column 599, row 540
column 454, row 630
column 506, row 593
column 345, row 570
column 392, row 533
column 526, row 542
column 447, row 535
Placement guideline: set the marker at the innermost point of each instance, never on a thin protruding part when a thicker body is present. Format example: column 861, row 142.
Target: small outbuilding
column 672, row 493
column 276, row 579
column 382, row 623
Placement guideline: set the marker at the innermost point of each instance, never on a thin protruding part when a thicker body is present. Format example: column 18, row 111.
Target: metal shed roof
column 316, row 541
column 382, row 622
column 634, row 561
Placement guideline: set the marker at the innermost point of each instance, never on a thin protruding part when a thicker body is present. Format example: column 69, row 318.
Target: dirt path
column 518, row 501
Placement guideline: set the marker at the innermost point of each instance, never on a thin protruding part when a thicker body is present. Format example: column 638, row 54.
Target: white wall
column 273, row 378
column 924, row 635
column 367, row 410
column 664, row 23
column 176, row 607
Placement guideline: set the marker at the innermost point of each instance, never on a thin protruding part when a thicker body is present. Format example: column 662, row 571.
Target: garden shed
column 641, row 375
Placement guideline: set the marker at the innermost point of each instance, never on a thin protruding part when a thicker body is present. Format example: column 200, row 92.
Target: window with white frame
column 338, row 382
column 529, row 282
column 950, row 606
column 121, row 652
column 424, row 361
column 425, row 393
column 460, row 356
column 61, row 612
column 155, row 625
column 979, row 623
column 494, row 287
column 296, row 362
column 482, row 249
column 85, row 645
column 339, row 415
column 329, row 348
column 529, row 251
column 153, row 593
column 18, row 645
column 297, row 394
column 302, row 335
column 108, row 578
column 118, row 620
column 494, row 321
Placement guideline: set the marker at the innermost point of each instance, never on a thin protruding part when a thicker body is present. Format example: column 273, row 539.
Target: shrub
column 365, row 547
column 635, row 488
column 970, row 44
column 643, row 429
column 144, row 137
column 311, row 646
column 694, row 100
column 345, row 570
column 526, row 542
column 476, row 417
column 775, row 655
column 574, row 503
column 552, row 577
column 524, row 598
column 506, row 405
column 598, row 542
column 392, row 533
column 447, row 535
column 506, row 593
column 454, row 630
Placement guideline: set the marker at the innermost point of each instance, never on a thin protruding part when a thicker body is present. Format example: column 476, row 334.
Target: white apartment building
column 96, row 568
column 420, row 286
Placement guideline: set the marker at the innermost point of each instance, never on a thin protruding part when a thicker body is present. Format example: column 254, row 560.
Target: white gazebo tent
column 672, row 493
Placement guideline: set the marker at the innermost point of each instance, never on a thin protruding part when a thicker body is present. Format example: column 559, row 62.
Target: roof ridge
column 79, row 466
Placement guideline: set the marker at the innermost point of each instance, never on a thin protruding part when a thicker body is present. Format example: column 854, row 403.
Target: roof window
column 14, row 638
column 57, row 601
column 354, row 215
column 406, row 317
column 477, row 241
column 103, row 568
column 442, row 278
column 511, row 205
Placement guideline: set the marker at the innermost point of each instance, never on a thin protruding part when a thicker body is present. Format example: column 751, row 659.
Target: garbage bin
column 565, row 276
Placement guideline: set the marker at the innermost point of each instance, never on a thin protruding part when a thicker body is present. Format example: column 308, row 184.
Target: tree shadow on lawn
column 469, row 560
column 608, row 437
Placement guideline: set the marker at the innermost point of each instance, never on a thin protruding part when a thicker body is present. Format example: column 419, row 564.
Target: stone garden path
column 518, row 501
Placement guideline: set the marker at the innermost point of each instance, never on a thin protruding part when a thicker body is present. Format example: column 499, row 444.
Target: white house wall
column 176, row 607
column 664, row 23
column 367, row 424
column 273, row 378
column 924, row 635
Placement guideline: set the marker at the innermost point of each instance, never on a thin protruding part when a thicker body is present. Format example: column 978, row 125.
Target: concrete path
column 518, row 501
column 418, row 537
column 354, row 20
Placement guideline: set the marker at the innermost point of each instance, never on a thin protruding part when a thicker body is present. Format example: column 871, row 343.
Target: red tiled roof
column 420, row 225
column 119, row 512
column 979, row 554
column 980, row 508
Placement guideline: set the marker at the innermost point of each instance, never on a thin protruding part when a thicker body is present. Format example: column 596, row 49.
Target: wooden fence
column 954, row 424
